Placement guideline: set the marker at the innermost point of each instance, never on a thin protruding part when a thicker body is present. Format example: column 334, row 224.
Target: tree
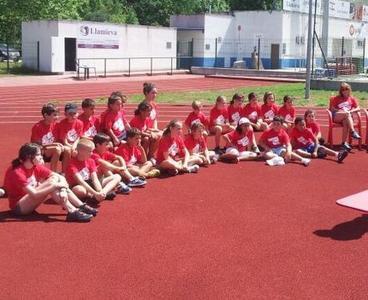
column 255, row 4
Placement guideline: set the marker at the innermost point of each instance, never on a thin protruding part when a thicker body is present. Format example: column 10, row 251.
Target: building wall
column 134, row 41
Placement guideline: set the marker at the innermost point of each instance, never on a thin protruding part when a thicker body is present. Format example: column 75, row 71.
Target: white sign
column 97, row 36
column 365, row 13
column 339, row 9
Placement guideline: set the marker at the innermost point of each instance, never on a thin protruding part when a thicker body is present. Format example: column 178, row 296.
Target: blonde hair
column 85, row 143
column 344, row 85
column 196, row 104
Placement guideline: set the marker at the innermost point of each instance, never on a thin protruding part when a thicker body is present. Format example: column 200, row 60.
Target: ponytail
column 27, row 151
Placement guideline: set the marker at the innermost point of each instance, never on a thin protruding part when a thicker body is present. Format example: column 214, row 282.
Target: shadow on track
column 8, row 216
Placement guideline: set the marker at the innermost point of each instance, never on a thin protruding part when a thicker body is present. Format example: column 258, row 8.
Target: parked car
column 14, row 54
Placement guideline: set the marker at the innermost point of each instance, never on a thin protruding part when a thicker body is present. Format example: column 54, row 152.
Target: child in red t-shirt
column 197, row 116
column 142, row 121
column 287, row 112
column 277, row 147
column 109, row 163
column 44, row 133
column 240, row 143
column 135, row 156
column 306, row 144
column 196, row 144
column 235, row 109
column 311, row 124
column 253, row 112
column 172, row 155
column 82, row 175
column 91, row 123
column 219, row 121
column 69, row 131
column 150, row 94
column 29, row 183
column 113, row 121
column 269, row 108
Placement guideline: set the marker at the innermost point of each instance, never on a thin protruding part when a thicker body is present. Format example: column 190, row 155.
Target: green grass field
column 15, row 68
column 296, row 90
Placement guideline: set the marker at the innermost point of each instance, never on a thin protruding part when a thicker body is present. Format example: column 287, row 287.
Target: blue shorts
column 310, row 148
column 278, row 150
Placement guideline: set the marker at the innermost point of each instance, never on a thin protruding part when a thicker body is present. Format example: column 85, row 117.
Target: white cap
column 243, row 121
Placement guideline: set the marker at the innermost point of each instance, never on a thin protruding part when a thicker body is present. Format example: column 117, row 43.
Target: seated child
column 135, row 156
column 29, row 183
column 196, row 116
column 310, row 123
column 235, row 109
column 113, row 121
column 142, row 121
column 108, row 163
column 269, row 108
column 197, row 145
column 287, row 112
column 44, row 133
column 253, row 112
column 172, row 155
column 219, row 121
column 69, row 131
column 306, row 144
column 91, row 123
column 240, row 143
column 277, row 147
column 82, row 176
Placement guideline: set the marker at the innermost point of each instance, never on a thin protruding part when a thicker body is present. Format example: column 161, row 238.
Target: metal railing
column 129, row 61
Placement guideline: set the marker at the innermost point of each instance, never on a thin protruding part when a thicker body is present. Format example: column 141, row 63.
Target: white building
column 56, row 46
column 219, row 40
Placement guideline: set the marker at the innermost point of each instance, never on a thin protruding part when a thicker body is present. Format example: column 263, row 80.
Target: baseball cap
column 71, row 107
column 243, row 121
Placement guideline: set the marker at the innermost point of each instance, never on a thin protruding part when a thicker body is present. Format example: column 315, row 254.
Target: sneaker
column 346, row 146
column 2, row 193
column 88, row 210
column 193, row 169
column 122, row 188
column 110, row 196
column 215, row 158
column 306, row 161
column 256, row 150
column 276, row 161
column 136, row 181
column 78, row 216
column 342, row 155
column 153, row 173
column 355, row 135
column 172, row 172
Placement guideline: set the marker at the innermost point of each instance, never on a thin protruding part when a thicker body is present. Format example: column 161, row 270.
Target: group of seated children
column 105, row 155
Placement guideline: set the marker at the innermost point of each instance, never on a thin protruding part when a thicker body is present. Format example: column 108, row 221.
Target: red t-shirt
column 141, row 124
column 91, row 125
column 72, row 131
column 269, row 111
column 287, row 114
column 301, row 139
column 253, row 113
column 19, row 178
column 83, row 168
column 314, row 127
column 131, row 154
column 174, row 146
column 195, row 146
column 44, row 134
column 234, row 113
column 195, row 118
column 275, row 139
column 218, row 116
column 346, row 104
column 108, row 156
column 115, row 121
column 241, row 140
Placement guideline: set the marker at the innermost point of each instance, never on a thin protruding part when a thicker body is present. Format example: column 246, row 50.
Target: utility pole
column 309, row 52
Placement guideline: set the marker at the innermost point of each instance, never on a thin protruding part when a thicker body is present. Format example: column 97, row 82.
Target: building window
column 360, row 43
column 168, row 45
column 284, row 48
column 208, row 46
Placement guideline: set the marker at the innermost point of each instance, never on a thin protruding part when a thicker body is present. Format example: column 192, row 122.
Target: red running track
column 232, row 231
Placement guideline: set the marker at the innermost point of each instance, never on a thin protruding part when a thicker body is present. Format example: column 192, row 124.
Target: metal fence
column 10, row 57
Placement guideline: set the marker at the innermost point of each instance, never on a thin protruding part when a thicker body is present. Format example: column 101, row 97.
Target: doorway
column 275, row 56
column 70, row 53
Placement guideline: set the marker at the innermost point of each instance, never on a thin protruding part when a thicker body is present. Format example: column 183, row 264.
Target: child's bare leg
column 80, row 191
column 269, row 155
column 54, row 153
column 171, row 165
column 247, row 155
column 109, row 183
column 217, row 130
column 303, row 153
column 153, row 145
column 136, row 171
column 329, row 151
column 66, row 158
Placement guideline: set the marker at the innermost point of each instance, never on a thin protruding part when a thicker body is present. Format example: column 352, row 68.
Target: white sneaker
column 306, row 161
column 215, row 158
column 2, row 192
column 275, row 161
column 193, row 169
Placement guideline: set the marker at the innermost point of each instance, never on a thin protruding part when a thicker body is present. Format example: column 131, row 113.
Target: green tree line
column 145, row 12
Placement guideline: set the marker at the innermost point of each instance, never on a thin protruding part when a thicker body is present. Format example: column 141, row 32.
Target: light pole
column 309, row 52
